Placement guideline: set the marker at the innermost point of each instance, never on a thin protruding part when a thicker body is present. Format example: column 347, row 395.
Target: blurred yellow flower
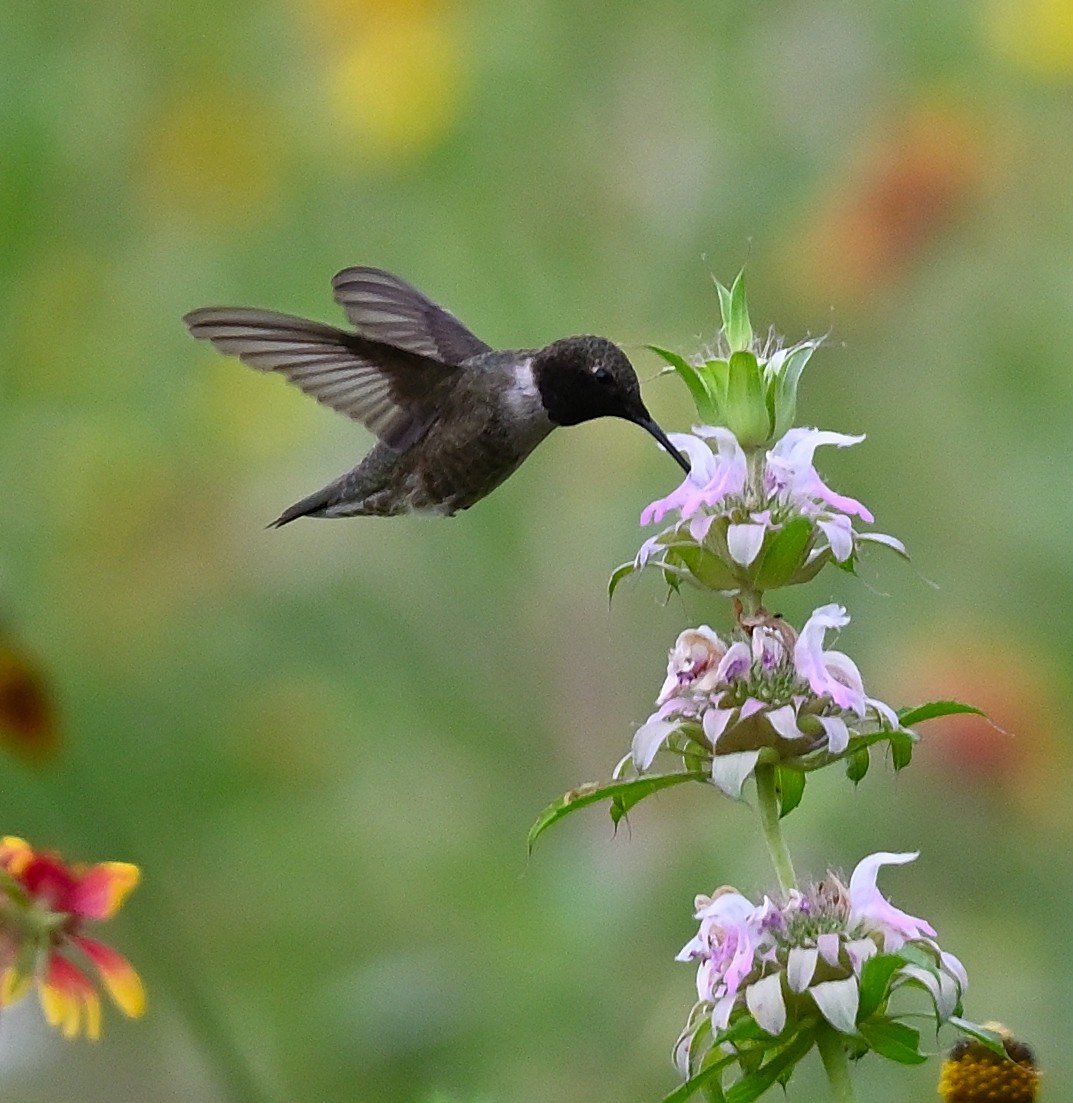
column 1036, row 35
column 396, row 80
column 214, row 156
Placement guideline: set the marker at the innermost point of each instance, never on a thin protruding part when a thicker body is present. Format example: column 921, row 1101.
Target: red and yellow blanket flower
column 44, row 904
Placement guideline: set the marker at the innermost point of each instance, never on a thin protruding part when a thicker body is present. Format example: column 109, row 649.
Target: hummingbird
column 454, row 416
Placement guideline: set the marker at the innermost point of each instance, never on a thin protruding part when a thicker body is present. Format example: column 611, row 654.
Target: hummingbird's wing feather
column 392, row 391
column 388, row 309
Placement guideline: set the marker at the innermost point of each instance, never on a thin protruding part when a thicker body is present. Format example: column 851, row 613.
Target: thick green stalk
column 835, row 1063
column 768, row 800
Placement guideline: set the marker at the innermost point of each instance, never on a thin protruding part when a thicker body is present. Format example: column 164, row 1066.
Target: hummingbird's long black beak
column 646, row 422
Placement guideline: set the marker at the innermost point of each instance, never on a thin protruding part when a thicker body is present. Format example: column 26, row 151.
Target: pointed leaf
column 619, row 573
column 786, row 386
column 934, row 709
column 626, row 792
column 895, row 1041
column 735, row 311
column 637, row 790
column 982, row 1034
column 901, row 749
column 791, row 788
column 703, row 399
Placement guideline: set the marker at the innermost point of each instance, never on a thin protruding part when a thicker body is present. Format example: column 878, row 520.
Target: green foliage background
column 325, row 745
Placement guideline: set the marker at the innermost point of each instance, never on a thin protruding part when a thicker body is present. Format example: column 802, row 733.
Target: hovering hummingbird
column 454, row 416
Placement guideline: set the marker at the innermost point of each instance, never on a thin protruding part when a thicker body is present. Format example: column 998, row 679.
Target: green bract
column 751, row 389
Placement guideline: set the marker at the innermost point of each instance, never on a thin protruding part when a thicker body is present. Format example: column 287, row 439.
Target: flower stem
column 835, row 1063
column 768, row 801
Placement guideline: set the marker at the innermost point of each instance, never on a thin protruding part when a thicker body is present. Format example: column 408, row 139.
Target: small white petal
column 838, row 1001
column 766, row 1005
column 954, row 967
column 888, row 714
column 943, row 989
column 801, row 967
column 730, row 771
column 859, row 951
column 721, row 1012
column 887, row 541
column 648, row 739
column 784, row 721
column 837, row 733
column 715, row 723
column 745, row 541
column 829, row 946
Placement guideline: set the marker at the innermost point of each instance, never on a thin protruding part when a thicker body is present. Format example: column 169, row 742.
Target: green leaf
column 746, row 408
column 724, row 303
column 716, row 378
column 934, row 709
column 901, row 749
column 857, row 764
column 785, row 405
column 707, row 1075
column 982, row 1034
column 617, row 576
column 705, row 566
column 627, row 792
column 735, row 311
column 783, row 554
column 703, row 399
column 875, row 982
column 895, row 1041
column 791, row 788
column 641, row 787
column 751, row 1087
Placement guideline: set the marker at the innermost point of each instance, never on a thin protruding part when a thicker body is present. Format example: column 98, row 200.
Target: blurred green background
column 324, row 745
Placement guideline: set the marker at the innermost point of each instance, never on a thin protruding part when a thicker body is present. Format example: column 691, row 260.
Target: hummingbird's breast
column 490, row 424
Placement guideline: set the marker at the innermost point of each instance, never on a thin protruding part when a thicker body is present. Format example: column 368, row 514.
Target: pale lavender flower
column 734, row 510
column 772, row 689
column 771, row 961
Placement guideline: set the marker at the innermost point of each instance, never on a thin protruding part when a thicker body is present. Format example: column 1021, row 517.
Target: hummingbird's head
column 581, row 378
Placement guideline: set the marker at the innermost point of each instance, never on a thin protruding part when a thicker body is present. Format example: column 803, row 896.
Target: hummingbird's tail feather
column 311, row 506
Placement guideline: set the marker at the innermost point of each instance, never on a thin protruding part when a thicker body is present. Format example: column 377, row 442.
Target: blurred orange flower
column 907, row 186
column 43, row 905
column 27, row 714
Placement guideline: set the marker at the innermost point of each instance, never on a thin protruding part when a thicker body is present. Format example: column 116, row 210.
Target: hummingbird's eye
column 602, row 375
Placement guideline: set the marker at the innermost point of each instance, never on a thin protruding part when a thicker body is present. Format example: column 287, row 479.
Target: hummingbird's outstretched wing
column 393, row 392
column 388, row 309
